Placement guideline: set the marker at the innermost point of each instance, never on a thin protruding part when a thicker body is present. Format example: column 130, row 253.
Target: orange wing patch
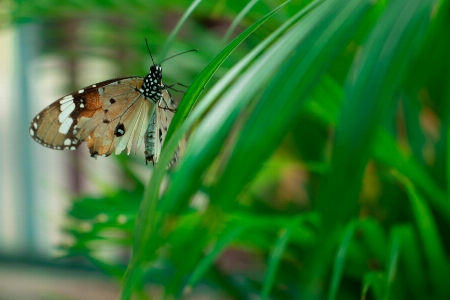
column 92, row 106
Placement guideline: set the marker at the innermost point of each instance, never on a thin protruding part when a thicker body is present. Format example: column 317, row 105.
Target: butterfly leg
column 172, row 85
column 167, row 104
column 177, row 83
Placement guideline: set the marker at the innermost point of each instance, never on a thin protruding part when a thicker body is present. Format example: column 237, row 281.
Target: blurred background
column 317, row 168
column 49, row 49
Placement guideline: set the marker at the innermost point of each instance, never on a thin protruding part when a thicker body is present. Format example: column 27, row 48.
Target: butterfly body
column 109, row 116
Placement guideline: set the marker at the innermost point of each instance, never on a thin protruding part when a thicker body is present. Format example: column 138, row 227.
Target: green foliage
column 312, row 170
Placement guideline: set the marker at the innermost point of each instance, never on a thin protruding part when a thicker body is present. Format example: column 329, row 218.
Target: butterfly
column 110, row 116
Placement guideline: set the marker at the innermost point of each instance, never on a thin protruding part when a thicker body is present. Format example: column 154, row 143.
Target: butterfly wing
column 107, row 115
column 158, row 127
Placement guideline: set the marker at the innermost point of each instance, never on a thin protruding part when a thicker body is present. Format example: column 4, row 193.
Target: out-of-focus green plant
column 317, row 165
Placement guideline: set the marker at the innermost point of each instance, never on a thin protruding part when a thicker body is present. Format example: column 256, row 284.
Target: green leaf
column 205, row 75
column 148, row 219
column 411, row 266
column 177, row 28
column 339, row 261
column 275, row 257
column 386, row 151
column 434, row 251
column 209, row 258
column 316, row 38
column 237, row 20
column 212, row 130
column 376, row 282
column 393, row 262
column 374, row 240
column 371, row 87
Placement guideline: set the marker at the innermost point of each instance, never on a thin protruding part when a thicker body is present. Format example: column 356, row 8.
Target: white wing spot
column 65, row 105
column 65, row 126
column 66, row 99
column 80, row 91
column 94, row 85
column 67, row 142
column 72, row 148
column 31, row 132
column 82, row 105
column 37, row 117
column 66, row 112
column 100, row 91
column 35, row 125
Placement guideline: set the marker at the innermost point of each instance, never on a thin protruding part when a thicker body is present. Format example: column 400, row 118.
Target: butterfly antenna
column 192, row 50
column 149, row 51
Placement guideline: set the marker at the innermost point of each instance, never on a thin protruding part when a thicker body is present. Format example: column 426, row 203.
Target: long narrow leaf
column 187, row 178
column 202, row 79
column 177, row 28
column 237, row 20
column 147, row 217
column 435, row 255
column 371, row 86
column 339, row 261
column 392, row 266
column 388, row 152
column 275, row 258
column 411, row 266
column 210, row 257
column 316, row 39
column 374, row 281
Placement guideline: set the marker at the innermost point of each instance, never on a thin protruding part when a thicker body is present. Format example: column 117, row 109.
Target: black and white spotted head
column 153, row 83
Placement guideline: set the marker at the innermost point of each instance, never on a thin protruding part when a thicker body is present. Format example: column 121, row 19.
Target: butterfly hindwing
column 164, row 112
column 158, row 127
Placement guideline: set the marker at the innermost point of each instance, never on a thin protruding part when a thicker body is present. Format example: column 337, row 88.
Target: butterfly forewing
column 104, row 114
